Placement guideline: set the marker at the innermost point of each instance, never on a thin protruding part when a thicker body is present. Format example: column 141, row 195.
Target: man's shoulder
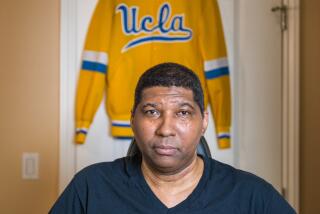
column 243, row 190
column 238, row 179
column 102, row 166
column 117, row 169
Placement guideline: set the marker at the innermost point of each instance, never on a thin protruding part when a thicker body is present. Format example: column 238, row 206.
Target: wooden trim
column 291, row 71
column 68, row 70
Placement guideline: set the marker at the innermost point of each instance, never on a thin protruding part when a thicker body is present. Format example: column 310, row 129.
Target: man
column 168, row 120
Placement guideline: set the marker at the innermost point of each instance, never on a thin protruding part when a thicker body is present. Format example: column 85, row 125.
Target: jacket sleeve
column 94, row 67
column 216, row 70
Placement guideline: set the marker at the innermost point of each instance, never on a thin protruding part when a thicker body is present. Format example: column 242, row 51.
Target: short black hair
column 167, row 75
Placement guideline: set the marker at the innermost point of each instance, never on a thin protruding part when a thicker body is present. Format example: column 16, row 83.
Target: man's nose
column 166, row 126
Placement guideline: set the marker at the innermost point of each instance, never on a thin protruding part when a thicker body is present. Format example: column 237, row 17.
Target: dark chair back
column 202, row 148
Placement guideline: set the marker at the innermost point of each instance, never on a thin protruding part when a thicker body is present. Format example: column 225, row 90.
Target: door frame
column 291, row 72
column 291, row 103
column 68, row 68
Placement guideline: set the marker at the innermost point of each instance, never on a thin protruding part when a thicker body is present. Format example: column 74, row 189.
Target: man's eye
column 151, row 112
column 184, row 113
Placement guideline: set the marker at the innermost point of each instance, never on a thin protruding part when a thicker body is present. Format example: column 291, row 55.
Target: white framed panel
column 75, row 17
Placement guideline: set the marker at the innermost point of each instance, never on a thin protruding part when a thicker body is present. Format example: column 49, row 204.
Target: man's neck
column 171, row 189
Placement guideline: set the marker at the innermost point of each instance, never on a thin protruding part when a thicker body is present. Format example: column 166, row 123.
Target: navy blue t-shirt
column 119, row 187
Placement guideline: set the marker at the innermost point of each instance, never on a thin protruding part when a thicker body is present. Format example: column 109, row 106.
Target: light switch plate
column 30, row 165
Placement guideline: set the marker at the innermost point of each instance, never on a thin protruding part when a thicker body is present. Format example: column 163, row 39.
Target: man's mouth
column 165, row 150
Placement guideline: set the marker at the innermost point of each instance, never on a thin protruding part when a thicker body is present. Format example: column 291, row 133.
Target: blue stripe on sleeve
column 224, row 136
column 94, row 66
column 120, row 125
column 217, row 73
column 81, row 131
column 123, row 138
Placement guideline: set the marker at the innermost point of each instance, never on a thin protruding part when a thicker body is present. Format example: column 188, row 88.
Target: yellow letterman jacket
column 126, row 37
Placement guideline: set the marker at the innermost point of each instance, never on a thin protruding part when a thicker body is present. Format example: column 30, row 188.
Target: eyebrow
column 186, row 104
column 154, row 105
column 150, row 105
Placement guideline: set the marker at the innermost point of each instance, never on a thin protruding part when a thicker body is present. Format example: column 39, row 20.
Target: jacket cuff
column 80, row 138
column 81, row 131
column 223, row 137
column 224, row 143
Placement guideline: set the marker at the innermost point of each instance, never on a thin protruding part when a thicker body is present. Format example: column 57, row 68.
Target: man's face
column 167, row 126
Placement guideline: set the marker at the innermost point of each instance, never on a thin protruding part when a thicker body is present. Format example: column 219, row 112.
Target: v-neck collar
column 134, row 170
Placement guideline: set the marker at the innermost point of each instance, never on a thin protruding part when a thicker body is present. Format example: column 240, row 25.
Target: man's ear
column 205, row 121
